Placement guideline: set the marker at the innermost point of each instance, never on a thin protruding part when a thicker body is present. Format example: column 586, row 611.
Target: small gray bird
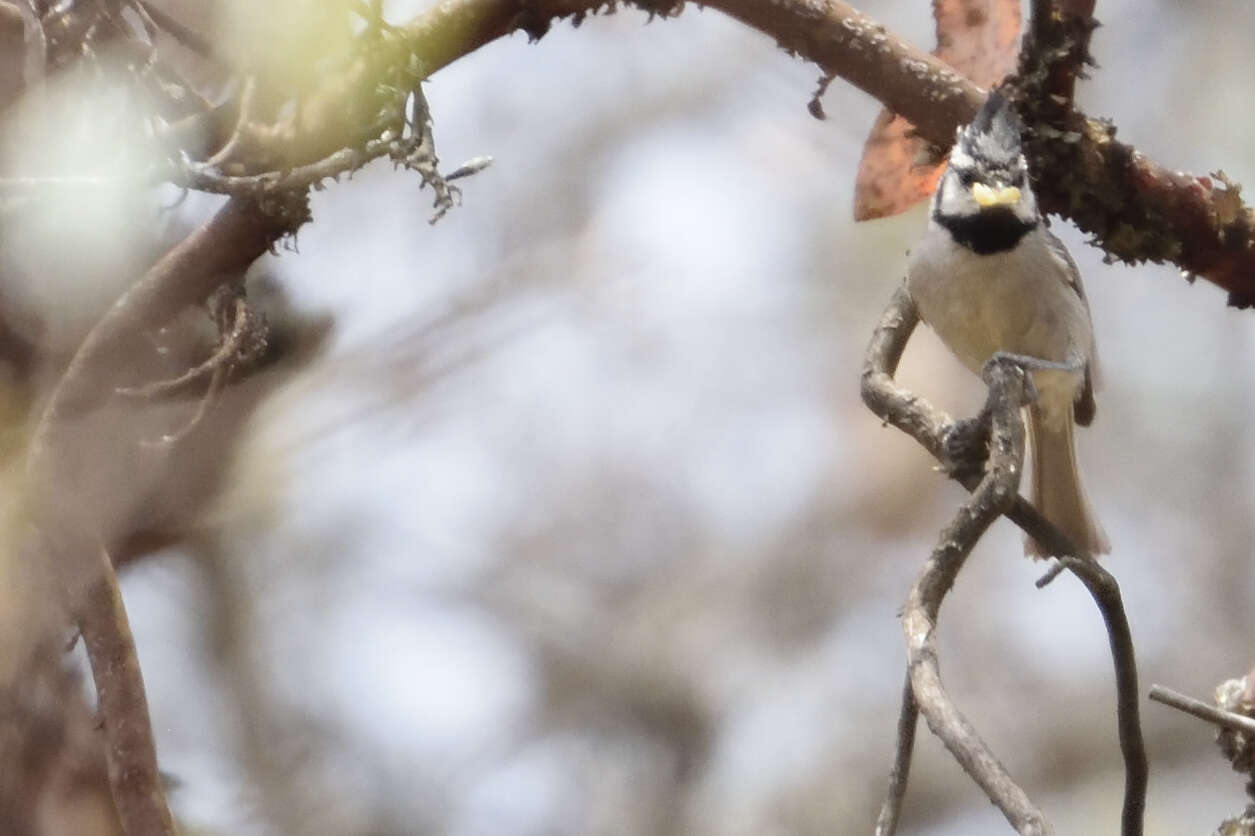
column 988, row 276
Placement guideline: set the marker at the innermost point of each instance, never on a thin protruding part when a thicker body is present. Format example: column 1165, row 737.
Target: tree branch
column 1056, row 48
column 1136, row 209
column 220, row 250
column 122, row 705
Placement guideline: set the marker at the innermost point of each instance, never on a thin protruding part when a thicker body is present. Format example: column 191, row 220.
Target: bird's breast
column 1019, row 300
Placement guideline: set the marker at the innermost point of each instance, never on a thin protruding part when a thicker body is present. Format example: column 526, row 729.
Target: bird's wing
column 1084, row 406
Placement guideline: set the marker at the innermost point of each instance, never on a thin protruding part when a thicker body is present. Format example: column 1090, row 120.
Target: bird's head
column 985, row 191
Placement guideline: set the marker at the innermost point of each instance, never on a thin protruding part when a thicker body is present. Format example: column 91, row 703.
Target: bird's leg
column 1029, row 363
column 966, row 443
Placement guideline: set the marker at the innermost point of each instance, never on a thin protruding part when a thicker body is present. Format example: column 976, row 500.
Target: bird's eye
column 1018, row 178
column 967, row 176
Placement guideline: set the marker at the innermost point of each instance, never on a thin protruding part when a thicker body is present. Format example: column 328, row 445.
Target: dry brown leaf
column 891, row 176
column 979, row 38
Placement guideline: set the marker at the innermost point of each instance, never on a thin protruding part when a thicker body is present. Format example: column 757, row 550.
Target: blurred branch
column 217, row 252
column 185, row 35
column 994, row 493
column 122, row 705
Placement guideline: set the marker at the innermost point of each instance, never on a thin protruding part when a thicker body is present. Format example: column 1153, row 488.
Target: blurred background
column 577, row 524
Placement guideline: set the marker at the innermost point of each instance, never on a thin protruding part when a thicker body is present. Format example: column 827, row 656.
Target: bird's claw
column 965, row 448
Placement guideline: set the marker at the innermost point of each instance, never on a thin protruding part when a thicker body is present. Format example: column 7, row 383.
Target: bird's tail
column 1057, row 490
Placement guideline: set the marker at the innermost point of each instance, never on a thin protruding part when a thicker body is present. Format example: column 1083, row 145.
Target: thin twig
column 1203, row 711
column 908, row 719
column 217, row 380
column 235, row 347
column 1105, row 591
column 1056, row 569
column 472, row 166
column 1054, row 55
column 206, row 178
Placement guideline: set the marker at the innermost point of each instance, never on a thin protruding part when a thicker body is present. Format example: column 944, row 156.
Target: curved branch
column 122, row 704
column 929, row 426
column 1136, row 209
column 224, row 247
column 1105, row 591
column 832, row 34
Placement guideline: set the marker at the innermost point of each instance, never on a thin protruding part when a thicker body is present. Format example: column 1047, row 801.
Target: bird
column 989, row 277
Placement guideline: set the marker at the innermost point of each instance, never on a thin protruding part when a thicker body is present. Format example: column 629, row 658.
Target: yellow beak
column 987, row 197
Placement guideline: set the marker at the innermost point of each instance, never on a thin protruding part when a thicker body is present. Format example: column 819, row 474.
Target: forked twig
column 929, row 426
column 994, row 493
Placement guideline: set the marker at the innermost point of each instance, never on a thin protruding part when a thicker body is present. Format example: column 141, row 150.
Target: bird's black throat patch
column 987, row 232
